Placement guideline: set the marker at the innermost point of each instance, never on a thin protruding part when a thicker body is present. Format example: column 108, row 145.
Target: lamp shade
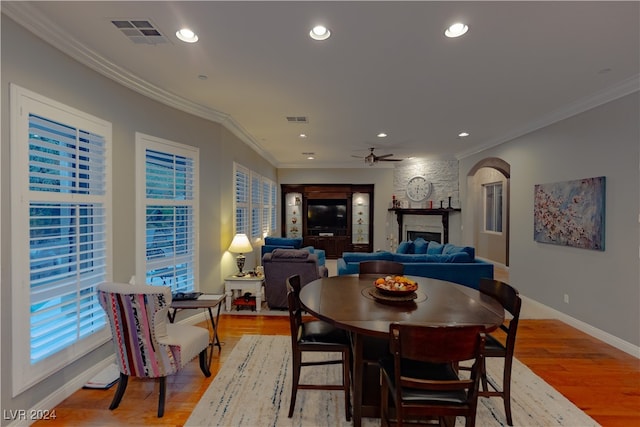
column 240, row 244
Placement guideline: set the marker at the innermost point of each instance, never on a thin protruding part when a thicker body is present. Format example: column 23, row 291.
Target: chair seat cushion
column 493, row 347
column 190, row 339
column 431, row 371
column 319, row 332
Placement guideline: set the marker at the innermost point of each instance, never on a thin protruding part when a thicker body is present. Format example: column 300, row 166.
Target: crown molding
column 25, row 14
column 618, row 90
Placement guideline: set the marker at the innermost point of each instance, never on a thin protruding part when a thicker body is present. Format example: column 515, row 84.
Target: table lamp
column 240, row 244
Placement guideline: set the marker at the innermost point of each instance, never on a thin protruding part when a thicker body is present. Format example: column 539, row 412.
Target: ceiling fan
column 372, row 159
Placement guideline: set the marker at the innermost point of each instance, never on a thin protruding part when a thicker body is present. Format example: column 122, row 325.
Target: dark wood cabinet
column 347, row 224
column 333, row 246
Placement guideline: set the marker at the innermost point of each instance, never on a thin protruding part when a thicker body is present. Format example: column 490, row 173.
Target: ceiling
column 387, row 67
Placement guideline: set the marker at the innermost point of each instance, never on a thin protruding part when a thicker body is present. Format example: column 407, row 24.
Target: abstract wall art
column 571, row 213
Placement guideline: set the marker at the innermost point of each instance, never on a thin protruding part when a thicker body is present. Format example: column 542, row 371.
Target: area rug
column 254, row 385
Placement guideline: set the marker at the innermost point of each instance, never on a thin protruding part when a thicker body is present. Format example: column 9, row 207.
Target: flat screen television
column 326, row 214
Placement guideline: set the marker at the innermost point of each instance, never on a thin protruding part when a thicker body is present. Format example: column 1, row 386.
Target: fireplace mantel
column 444, row 213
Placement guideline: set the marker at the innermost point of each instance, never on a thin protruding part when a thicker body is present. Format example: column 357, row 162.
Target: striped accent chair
column 146, row 344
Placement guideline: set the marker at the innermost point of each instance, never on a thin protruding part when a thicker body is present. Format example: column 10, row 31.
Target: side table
column 239, row 285
column 209, row 302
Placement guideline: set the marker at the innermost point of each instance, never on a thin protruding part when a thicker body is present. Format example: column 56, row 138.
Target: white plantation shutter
column 241, row 199
column 61, row 216
column 255, row 206
column 274, row 209
column 266, row 207
column 170, row 206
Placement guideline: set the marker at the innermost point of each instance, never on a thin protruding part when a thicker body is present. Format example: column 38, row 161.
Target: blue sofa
column 427, row 259
column 271, row 243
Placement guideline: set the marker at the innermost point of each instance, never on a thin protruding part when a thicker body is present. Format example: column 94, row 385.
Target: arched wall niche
column 489, row 245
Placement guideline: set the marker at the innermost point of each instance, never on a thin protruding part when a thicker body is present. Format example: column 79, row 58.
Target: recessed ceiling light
column 456, row 30
column 186, row 35
column 319, row 32
column 463, row 134
column 303, row 135
column 382, row 135
column 310, row 158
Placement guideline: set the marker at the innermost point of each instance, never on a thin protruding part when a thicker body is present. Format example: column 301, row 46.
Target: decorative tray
column 383, row 297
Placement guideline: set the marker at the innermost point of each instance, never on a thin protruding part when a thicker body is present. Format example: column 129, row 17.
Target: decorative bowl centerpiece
column 395, row 285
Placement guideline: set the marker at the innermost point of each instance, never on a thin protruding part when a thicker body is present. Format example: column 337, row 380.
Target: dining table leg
column 358, row 376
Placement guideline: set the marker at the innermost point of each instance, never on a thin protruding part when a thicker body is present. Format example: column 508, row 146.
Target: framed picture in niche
column 571, row 213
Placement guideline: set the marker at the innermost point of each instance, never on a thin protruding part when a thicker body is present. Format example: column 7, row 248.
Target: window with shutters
column 242, row 199
column 167, row 197
column 256, row 207
column 254, row 204
column 61, row 210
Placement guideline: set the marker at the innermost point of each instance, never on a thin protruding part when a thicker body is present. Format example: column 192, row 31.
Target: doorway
column 488, row 184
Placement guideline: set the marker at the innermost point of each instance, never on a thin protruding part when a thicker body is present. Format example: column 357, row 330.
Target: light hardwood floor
column 601, row 380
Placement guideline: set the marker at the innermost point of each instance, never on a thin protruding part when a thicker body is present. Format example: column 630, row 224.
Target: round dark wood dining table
column 347, row 302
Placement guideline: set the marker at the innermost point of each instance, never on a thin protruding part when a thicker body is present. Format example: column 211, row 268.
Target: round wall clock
column 418, row 188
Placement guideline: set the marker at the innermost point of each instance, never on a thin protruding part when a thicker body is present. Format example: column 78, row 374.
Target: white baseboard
column 536, row 310
column 70, row 387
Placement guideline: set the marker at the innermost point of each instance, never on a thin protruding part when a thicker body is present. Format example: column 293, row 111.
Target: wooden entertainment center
column 334, row 217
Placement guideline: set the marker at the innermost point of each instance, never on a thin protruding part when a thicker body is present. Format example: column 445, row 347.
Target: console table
column 444, row 213
column 234, row 286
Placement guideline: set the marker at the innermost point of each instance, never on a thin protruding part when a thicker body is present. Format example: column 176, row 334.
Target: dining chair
column 420, row 377
column 146, row 344
column 315, row 336
column 380, row 268
column 502, row 343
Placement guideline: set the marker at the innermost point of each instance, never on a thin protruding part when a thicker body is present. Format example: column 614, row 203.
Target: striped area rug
column 253, row 388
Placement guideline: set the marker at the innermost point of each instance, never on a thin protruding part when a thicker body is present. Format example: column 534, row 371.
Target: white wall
column 603, row 287
column 34, row 65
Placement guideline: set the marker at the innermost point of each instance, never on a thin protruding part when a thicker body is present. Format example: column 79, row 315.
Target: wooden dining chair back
column 381, row 268
column 315, row 336
column 146, row 345
column 420, row 377
column 502, row 342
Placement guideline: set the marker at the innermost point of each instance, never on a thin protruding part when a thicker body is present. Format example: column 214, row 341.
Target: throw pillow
column 453, row 249
column 420, row 246
column 434, row 248
column 289, row 254
column 405, row 247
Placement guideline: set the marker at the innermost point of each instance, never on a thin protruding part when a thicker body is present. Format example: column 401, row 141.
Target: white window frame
column 492, row 208
column 254, row 207
column 23, row 103
column 148, row 142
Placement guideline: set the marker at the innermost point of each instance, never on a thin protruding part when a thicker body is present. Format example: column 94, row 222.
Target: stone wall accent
column 443, row 175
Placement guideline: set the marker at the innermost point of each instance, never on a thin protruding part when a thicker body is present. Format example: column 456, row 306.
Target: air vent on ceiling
column 140, row 31
column 297, row 119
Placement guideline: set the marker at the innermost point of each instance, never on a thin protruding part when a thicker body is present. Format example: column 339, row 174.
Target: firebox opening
column 426, row 235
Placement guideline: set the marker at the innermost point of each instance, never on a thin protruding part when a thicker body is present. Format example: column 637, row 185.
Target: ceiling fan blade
column 389, row 160
column 384, row 156
column 357, row 157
